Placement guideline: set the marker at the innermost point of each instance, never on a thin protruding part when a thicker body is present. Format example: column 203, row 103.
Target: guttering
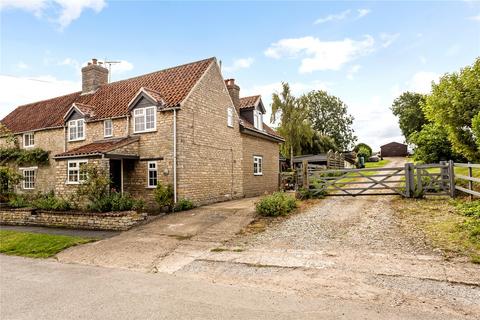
column 175, row 155
column 264, row 135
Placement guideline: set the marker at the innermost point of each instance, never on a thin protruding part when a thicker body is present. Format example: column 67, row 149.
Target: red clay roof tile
column 110, row 100
column 248, row 102
column 98, row 147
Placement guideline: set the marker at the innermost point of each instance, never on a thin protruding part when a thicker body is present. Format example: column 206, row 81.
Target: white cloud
column 243, row 63
column 475, row 18
column 333, row 17
column 121, row 67
column 39, row 88
column 34, row 6
column 72, row 9
column 362, row 13
column 22, row 65
column 388, row 38
column 342, row 16
column 351, row 72
column 421, row 81
column 321, row 55
column 65, row 11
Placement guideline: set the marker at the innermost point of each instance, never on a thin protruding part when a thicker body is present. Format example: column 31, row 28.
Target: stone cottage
column 184, row 126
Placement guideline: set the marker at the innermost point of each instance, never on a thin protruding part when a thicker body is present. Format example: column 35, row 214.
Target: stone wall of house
column 65, row 189
column 50, row 140
column 255, row 185
column 80, row 220
column 209, row 152
column 152, row 146
column 95, row 132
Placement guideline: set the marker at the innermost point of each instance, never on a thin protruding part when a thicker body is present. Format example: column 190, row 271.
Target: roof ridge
column 45, row 100
column 158, row 71
column 145, row 74
column 255, row 95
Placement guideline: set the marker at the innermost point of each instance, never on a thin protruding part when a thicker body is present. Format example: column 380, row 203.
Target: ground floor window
column 29, row 175
column 257, row 165
column 152, row 174
column 77, row 171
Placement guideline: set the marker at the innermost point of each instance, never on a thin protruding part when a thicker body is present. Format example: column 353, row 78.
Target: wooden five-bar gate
column 409, row 180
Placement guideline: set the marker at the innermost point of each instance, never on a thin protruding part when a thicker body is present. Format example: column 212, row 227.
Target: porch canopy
column 117, row 148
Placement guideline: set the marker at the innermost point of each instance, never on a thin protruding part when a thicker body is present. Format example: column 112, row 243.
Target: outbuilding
column 394, row 149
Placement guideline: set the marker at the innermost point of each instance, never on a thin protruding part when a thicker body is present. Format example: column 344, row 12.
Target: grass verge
column 445, row 224
column 36, row 245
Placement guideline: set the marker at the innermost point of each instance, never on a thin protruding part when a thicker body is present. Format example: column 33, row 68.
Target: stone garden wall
column 80, row 220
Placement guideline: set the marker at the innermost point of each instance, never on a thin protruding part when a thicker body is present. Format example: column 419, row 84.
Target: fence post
column 470, row 182
column 451, row 174
column 419, row 182
column 409, row 179
column 444, row 175
column 305, row 174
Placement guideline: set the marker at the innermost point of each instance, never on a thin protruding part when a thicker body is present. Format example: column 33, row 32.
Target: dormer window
column 258, row 120
column 108, row 128
column 28, row 140
column 145, row 119
column 76, row 130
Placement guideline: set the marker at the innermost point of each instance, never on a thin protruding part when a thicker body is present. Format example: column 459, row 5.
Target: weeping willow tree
column 294, row 124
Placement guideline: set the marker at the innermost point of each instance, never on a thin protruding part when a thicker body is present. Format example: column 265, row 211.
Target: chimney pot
column 234, row 92
column 94, row 75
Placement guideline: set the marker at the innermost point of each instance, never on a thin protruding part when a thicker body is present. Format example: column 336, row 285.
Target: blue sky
column 366, row 53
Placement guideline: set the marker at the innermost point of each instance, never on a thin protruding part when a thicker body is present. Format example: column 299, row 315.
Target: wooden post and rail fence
column 411, row 180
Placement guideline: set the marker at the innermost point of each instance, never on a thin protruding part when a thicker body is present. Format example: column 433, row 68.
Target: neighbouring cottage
column 184, row 126
column 394, row 149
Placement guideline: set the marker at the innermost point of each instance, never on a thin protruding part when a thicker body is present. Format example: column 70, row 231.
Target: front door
column 116, row 175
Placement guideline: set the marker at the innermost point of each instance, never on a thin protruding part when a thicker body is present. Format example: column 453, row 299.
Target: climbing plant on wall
column 20, row 157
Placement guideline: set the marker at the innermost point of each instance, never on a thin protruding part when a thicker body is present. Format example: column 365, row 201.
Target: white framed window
column 76, row 171
column 152, row 174
column 258, row 120
column 145, row 119
column 108, row 128
column 28, row 140
column 76, row 130
column 230, row 117
column 257, row 165
column 29, row 177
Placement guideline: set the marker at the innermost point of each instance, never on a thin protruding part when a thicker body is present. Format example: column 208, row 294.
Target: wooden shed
column 394, row 149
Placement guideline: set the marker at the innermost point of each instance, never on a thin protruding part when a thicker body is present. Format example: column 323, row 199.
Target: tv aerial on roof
column 109, row 64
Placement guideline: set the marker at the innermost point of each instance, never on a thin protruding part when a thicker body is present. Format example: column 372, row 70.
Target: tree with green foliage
column 363, row 150
column 319, row 144
column 454, row 104
column 294, row 124
column 431, row 144
column 408, row 108
column 329, row 117
column 476, row 129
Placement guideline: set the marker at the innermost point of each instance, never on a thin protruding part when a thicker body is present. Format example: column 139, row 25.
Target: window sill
column 146, row 131
column 258, row 174
column 152, row 187
column 83, row 139
column 111, row 136
column 29, row 147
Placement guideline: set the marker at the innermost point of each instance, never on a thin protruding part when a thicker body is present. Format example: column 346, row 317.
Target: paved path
column 167, row 243
column 45, row 289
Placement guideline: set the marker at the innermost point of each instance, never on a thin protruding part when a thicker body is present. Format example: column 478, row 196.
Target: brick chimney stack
column 93, row 76
column 234, row 92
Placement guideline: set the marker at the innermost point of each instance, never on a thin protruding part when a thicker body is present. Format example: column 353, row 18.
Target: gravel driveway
column 348, row 248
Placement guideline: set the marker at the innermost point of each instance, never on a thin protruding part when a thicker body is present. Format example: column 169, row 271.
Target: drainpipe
column 175, row 155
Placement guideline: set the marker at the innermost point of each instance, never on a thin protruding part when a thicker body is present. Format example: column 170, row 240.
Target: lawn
column 379, row 164
column 36, row 245
column 451, row 226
